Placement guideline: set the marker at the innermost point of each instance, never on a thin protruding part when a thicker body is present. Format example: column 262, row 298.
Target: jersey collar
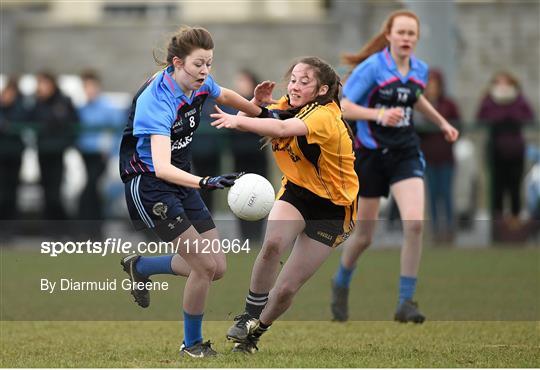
column 391, row 64
column 170, row 83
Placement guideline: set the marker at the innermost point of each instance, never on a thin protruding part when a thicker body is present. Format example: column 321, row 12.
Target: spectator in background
column 504, row 111
column 56, row 119
column 13, row 112
column 96, row 116
column 439, row 157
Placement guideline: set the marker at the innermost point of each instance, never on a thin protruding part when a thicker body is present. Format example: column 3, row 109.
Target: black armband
column 265, row 113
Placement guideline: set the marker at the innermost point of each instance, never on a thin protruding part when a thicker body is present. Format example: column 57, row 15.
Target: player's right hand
column 223, row 120
column 219, row 182
column 392, row 116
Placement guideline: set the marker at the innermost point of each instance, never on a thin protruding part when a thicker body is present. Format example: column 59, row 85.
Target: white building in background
column 187, row 11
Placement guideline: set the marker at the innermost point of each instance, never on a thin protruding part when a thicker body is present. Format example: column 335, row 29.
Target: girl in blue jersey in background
column 383, row 89
column 161, row 193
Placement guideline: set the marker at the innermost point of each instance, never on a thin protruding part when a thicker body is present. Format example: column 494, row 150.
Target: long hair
column 184, row 41
column 379, row 41
column 325, row 75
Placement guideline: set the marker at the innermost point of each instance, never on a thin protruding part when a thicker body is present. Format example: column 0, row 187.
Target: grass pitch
column 287, row 344
column 482, row 308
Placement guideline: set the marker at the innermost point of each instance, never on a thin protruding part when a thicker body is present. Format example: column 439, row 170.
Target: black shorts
column 378, row 169
column 166, row 209
column 326, row 222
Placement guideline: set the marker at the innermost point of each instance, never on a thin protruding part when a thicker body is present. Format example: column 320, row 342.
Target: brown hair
column 509, row 76
column 90, row 74
column 325, row 75
column 184, row 41
column 379, row 42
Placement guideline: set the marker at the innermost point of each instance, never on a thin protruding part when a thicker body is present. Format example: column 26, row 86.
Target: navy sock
column 148, row 266
column 192, row 329
column 343, row 276
column 407, row 287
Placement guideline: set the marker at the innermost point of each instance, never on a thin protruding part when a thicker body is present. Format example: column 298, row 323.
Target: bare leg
column 284, row 224
column 182, row 268
column 409, row 195
column 203, row 268
column 306, row 257
column 360, row 238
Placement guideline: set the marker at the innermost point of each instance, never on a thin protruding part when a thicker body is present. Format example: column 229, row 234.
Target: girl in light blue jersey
column 385, row 86
column 161, row 192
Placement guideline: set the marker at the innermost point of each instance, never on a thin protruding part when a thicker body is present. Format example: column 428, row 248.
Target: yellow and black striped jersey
column 323, row 160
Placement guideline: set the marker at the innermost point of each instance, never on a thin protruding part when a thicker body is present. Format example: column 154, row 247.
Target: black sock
column 255, row 303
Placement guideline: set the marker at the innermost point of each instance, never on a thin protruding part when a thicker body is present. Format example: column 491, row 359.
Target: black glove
column 219, row 182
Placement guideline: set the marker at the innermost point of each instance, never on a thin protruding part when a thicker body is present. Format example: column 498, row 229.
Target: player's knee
column 361, row 241
column 221, row 268
column 413, row 227
column 364, row 241
column 206, row 267
column 272, row 247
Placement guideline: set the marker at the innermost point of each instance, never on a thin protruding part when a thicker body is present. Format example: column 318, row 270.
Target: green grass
column 287, row 344
column 482, row 305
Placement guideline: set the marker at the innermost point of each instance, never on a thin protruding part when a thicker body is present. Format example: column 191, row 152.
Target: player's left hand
column 262, row 95
column 223, row 120
column 451, row 134
column 219, row 182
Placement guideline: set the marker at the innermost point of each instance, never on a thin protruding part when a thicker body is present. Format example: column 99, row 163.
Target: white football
column 251, row 197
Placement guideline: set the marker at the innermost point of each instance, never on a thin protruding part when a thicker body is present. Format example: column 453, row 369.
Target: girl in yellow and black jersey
column 315, row 208
column 321, row 160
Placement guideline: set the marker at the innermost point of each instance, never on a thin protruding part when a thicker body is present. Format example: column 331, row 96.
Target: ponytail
column 379, row 42
column 374, row 45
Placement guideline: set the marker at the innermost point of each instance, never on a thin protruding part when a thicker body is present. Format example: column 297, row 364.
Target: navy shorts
column 326, row 222
column 166, row 209
column 379, row 169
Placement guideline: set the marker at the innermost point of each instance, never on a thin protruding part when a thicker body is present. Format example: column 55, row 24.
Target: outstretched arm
column 238, row 102
column 261, row 126
column 425, row 107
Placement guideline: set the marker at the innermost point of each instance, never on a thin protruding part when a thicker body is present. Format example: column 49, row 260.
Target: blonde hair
column 379, row 42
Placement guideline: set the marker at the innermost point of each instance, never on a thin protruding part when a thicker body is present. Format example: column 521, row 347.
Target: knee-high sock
column 148, row 266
